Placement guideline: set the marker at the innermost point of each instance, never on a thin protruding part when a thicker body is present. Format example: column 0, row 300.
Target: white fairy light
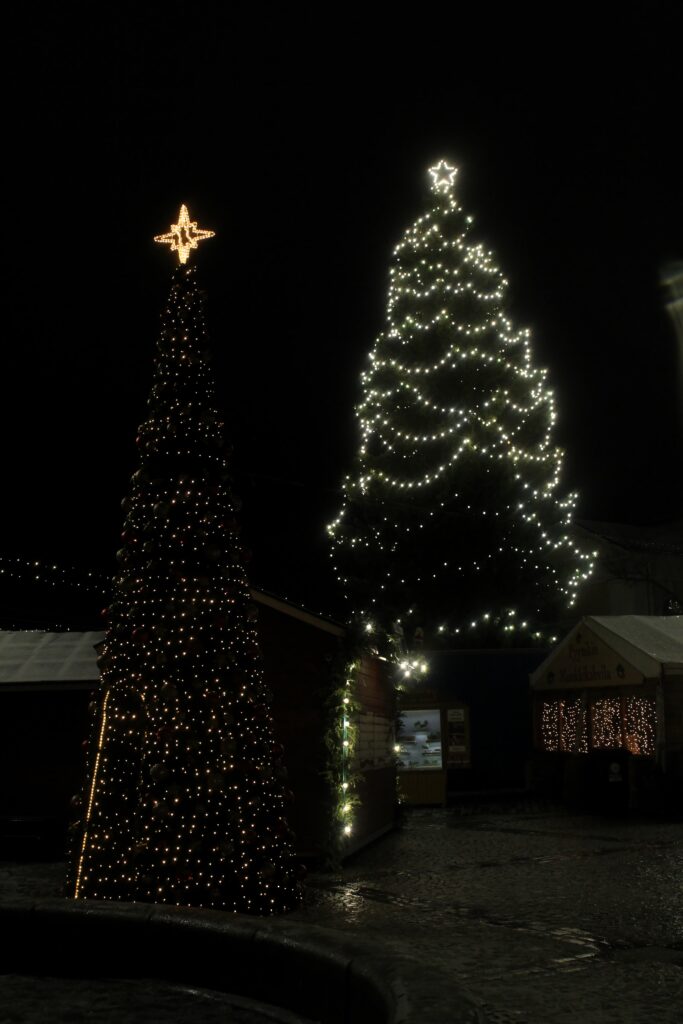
column 450, row 385
column 443, row 176
column 184, row 236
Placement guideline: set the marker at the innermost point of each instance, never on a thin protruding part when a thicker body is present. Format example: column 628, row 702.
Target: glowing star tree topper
column 184, row 236
column 443, row 176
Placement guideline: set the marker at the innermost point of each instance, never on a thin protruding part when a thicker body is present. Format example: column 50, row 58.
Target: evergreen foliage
column 184, row 800
column 453, row 524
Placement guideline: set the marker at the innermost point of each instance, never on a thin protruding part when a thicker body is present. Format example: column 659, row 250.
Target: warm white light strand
column 447, row 332
column 184, row 235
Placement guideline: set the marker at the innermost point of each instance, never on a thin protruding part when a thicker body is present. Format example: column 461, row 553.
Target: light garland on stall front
column 606, row 731
column 640, row 725
column 348, row 732
column 447, row 337
column 616, row 722
column 563, row 725
column 340, row 737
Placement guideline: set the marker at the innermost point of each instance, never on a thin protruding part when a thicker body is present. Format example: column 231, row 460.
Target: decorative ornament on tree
column 443, row 176
column 184, row 236
column 452, row 520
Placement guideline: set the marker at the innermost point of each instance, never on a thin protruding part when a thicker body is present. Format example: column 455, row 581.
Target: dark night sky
column 302, row 140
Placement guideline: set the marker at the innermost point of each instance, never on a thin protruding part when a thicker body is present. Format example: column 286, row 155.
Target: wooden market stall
column 608, row 712
column 298, row 650
column 464, row 724
column 432, row 740
column 47, row 681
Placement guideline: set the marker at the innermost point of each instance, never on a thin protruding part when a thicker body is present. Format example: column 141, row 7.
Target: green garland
column 341, row 708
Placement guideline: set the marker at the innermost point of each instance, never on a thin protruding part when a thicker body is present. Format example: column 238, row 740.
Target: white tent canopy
column 37, row 657
column 34, row 657
column 651, row 644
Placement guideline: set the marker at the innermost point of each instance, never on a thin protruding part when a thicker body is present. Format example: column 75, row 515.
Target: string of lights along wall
column 453, row 527
column 185, row 796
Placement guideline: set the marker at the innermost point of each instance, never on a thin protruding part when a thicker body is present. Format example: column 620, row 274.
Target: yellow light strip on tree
column 91, row 797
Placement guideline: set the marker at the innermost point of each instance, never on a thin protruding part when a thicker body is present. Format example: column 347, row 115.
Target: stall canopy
column 604, row 650
column 48, row 658
column 608, row 686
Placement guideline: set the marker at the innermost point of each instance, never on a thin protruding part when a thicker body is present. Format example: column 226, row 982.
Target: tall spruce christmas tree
column 184, row 802
column 453, row 528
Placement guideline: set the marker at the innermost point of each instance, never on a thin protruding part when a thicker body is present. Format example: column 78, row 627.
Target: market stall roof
column 650, row 643
column 33, row 656
column 660, row 637
column 296, row 611
column 30, row 656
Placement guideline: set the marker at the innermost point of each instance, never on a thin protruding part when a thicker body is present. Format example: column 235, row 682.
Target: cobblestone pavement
column 542, row 916
column 112, row 1001
column 545, row 918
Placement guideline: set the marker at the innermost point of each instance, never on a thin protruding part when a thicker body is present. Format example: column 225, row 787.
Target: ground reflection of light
column 348, row 902
column 351, row 900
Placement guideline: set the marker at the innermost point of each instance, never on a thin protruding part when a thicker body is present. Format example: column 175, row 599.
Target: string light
column 348, row 735
column 616, row 722
column 184, row 236
column 640, row 725
column 340, row 740
column 606, row 730
column 91, row 795
column 563, row 725
column 412, row 668
column 34, row 570
column 443, row 176
column 453, row 505
column 185, row 796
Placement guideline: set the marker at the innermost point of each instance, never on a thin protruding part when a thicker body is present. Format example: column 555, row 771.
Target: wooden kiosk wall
column 632, row 767
column 297, row 650
column 43, row 726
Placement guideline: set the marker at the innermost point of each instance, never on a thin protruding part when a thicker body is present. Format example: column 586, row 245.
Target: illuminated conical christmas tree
column 453, row 524
column 184, row 802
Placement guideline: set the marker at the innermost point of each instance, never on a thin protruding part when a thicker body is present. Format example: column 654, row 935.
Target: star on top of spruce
column 443, row 176
column 184, row 235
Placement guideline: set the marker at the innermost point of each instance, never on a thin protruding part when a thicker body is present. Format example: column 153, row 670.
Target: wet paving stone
column 542, row 918
column 512, row 918
column 26, row 1000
